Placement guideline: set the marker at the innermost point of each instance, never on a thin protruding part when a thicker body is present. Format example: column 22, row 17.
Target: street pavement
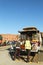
column 5, row 59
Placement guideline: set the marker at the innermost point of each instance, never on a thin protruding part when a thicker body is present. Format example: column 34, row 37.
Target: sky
column 17, row 14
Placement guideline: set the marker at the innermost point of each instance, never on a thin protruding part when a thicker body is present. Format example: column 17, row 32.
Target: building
column 9, row 37
column 42, row 37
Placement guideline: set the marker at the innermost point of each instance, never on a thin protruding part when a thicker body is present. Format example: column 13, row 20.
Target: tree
column 0, row 37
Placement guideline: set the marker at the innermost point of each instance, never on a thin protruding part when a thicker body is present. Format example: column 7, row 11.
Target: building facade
column 9, row 37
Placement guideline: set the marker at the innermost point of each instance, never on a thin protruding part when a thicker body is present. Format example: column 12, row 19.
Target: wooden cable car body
column 30, row 32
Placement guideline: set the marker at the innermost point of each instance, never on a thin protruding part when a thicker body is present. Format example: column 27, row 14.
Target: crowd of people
column 29, row 46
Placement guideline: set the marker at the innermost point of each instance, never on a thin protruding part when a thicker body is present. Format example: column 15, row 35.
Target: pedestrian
column 18, row 49
column 28, row 48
